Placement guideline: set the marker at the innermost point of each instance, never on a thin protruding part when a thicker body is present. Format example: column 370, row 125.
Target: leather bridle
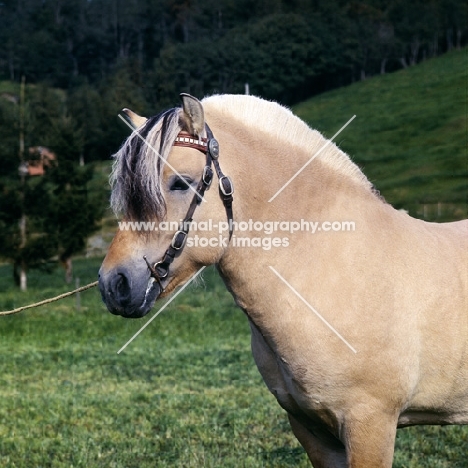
column 210, row 147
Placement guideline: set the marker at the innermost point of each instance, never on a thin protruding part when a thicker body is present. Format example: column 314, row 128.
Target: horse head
column 161, row 179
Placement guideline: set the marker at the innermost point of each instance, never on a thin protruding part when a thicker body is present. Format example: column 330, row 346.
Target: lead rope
column 48, row 301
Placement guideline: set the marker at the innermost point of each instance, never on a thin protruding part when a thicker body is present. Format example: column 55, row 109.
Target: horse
column 356, row 332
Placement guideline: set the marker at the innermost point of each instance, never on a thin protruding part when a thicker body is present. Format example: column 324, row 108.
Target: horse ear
column 193, row 117
column 135, row 120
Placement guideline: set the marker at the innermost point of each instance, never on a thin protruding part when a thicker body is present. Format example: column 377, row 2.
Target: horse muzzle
column 127, row 294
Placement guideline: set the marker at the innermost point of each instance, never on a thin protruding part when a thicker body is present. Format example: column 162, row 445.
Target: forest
column 142, row 53
column 82, row 61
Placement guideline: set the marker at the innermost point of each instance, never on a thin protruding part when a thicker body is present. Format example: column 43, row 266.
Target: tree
column 268, row 55
column 58, row 208
column 286, row 49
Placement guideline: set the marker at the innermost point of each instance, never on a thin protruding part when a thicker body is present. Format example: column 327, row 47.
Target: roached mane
column 137, row 169
column 282, row 124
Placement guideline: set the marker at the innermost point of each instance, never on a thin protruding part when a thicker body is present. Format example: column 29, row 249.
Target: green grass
column 185, row 393
column 409, row 135
column 9, row 87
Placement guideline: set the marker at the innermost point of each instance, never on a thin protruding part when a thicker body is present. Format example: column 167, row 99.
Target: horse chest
column 280, row 379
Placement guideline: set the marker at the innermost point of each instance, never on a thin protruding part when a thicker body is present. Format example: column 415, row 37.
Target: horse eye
column 180, row 183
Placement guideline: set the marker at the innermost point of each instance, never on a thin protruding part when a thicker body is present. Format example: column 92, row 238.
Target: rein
column 210, row 147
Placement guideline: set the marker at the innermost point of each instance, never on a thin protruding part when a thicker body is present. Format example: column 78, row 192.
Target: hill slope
column 410, row 133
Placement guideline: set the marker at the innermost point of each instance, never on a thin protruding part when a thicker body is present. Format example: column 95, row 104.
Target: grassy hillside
column 9, row 88
column 410, row 133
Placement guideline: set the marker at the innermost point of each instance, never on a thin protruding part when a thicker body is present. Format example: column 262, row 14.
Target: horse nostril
column 120, row 288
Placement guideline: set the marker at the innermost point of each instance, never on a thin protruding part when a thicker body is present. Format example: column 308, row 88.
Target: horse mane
column 290, row 130
column 137, row 169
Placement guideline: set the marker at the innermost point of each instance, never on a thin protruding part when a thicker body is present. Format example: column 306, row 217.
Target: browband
column 187, row 140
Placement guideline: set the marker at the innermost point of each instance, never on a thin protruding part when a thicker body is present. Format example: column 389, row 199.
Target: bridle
column 210, row 147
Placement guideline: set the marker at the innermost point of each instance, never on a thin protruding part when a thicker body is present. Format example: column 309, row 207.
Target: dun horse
column 356, row 332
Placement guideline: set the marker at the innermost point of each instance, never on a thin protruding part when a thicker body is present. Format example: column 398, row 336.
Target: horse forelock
column 138, row 167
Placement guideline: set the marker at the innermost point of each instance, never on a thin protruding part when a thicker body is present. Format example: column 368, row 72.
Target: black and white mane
column 137, row 168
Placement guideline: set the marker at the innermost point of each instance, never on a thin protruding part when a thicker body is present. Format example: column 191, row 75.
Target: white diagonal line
column 161, row 309
column 313, row 310
column 311, row 159
column 158, row 155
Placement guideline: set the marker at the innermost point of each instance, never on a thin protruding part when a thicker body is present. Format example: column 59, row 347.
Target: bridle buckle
column 207, row 176
column 227, row 190
column 178, row 241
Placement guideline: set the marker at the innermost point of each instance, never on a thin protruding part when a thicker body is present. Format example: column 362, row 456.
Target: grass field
column 186, row 392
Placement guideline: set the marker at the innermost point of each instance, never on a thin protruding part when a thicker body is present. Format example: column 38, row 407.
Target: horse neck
column 321, row 192
column 261, row 166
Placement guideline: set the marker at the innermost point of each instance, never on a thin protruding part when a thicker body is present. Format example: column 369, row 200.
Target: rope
column 48, row 301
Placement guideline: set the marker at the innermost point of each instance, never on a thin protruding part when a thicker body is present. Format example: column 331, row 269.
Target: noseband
column 210, row 147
